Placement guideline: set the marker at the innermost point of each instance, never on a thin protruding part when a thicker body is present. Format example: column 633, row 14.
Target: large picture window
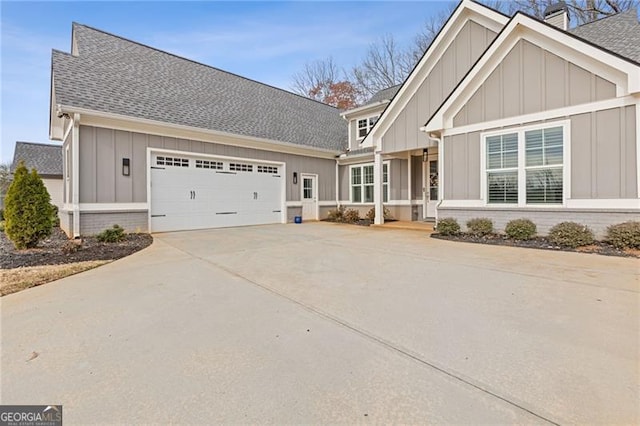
column 525, row 167
column 362, row 179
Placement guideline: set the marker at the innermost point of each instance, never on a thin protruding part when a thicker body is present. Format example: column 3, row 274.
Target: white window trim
column 363, row 165
column 522, row 184
column 369, row 126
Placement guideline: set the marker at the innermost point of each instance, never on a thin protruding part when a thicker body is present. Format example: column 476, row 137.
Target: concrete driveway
column 323, row 323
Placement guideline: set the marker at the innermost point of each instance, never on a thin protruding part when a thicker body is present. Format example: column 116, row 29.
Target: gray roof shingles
column 45, row 158
column 115, row 75
column 618, row 33
column 384, row 94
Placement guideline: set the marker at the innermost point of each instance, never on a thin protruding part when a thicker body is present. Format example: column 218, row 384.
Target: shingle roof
column 46, row 159
column 384, row 94
column 618, row 33
column 115, row 75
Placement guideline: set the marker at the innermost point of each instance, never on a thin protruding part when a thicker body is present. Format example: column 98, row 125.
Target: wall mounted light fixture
column 295, row 178
column 126, row 169
column 425, row 155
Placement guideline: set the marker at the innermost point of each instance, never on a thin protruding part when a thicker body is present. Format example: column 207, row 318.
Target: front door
column 431, row 187
column 309, row 197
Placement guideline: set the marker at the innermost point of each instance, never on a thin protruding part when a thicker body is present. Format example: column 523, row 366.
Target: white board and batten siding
column 190, row 192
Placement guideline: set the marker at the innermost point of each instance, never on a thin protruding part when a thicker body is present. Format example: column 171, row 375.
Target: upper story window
column 365, row 125
column 526, row 167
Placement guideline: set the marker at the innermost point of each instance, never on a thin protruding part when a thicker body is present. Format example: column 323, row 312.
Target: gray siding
column 102, row 150
column 399, row 180
column 92, row 223
column 462, row 167
column 416, row 176
column 343, row 178
column 603, row 158
column 603, row 154
column 597, row 220
column 531, row 79
column 466, row 48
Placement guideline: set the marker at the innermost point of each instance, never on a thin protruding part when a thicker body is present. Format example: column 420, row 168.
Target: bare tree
column 580, row 11
column 384, row 65
column 321, row 74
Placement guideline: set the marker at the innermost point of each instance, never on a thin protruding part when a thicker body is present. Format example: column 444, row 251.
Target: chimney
column 557, row 14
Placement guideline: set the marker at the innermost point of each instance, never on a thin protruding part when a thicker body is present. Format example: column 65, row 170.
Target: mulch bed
column 55, row 250
column 542, row 243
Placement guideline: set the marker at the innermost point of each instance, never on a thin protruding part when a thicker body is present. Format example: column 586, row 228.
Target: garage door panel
column 216, row 193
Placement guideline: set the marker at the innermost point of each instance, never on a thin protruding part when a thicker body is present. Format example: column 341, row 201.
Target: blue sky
column 267, row 41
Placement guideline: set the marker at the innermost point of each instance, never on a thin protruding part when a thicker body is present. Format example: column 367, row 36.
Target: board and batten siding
column 404, row 134
column 102, row 150
column 603, row 157
column 529, row 80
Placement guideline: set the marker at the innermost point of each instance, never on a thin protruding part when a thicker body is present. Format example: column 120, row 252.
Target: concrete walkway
column 325, row 323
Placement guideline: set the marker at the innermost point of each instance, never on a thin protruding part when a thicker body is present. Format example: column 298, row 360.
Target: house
column 47, row 160
column 503, row 117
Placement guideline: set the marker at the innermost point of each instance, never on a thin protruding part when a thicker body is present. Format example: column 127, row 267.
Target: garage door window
column 268, row 169
column 206, row 164
column 172, row 161
column 240, row 167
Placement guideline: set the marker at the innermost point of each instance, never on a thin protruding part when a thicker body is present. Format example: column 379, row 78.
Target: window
column 362, row 179
column 268, row 169
column 206, row 164
column 525, row 167
column 433, row 180
column 240, row 167
column 365, row 125
column 172, row 161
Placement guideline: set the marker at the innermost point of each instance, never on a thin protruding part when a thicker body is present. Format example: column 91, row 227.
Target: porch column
column 377, row 188
column 75, row 174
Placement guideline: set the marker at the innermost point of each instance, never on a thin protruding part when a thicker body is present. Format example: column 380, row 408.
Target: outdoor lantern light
column 125, row 167
column 425, row 155
column 295, row 178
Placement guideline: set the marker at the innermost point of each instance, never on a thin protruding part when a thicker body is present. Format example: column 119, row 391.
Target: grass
column 17, row 279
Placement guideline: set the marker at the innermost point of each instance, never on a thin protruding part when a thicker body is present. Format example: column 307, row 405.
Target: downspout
column 440, row 165
column 75, row 175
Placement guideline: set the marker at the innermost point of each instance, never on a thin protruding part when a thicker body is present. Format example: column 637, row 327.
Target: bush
column 371, row 214
column 571, row 234
column 55, row 220
column 448, row 226
column 624, row 235
column 27, row 209
column 336, row 215
column 1, row 225
column 111, row 235
column 1, row 215
column 520, row 229
column 72, row 246
column 351, row 216
column 480, row 226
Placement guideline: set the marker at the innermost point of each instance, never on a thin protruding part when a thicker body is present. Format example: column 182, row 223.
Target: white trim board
column 290, row 204
column 577, row 204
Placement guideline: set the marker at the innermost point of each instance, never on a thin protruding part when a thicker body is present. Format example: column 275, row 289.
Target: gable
column 464, row 50
column 463, row 38
column 531, row 67
column 531, row 79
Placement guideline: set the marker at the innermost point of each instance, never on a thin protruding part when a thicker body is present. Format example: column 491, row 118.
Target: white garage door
column 196, row 193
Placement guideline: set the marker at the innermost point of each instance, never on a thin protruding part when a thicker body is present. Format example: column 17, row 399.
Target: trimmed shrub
column 351, row 216
column 371, row 214
column 111, row 235
column 480, row 226
column 336, row 215
column 624, row 235
column 571, row 234
column 27, row 209
column 55, row 220
column 1, row 225
column 520, row 229
column 448, row 226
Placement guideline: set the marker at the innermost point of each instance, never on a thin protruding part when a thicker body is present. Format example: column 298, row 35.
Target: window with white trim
column 525, row 167
column 361, row 181
column 365, row 125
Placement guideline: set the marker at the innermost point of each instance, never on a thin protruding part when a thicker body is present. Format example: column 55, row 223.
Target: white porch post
column 377, row 188
column 75, row 174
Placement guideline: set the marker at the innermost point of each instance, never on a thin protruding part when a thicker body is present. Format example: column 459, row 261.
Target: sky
column 268, row 41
